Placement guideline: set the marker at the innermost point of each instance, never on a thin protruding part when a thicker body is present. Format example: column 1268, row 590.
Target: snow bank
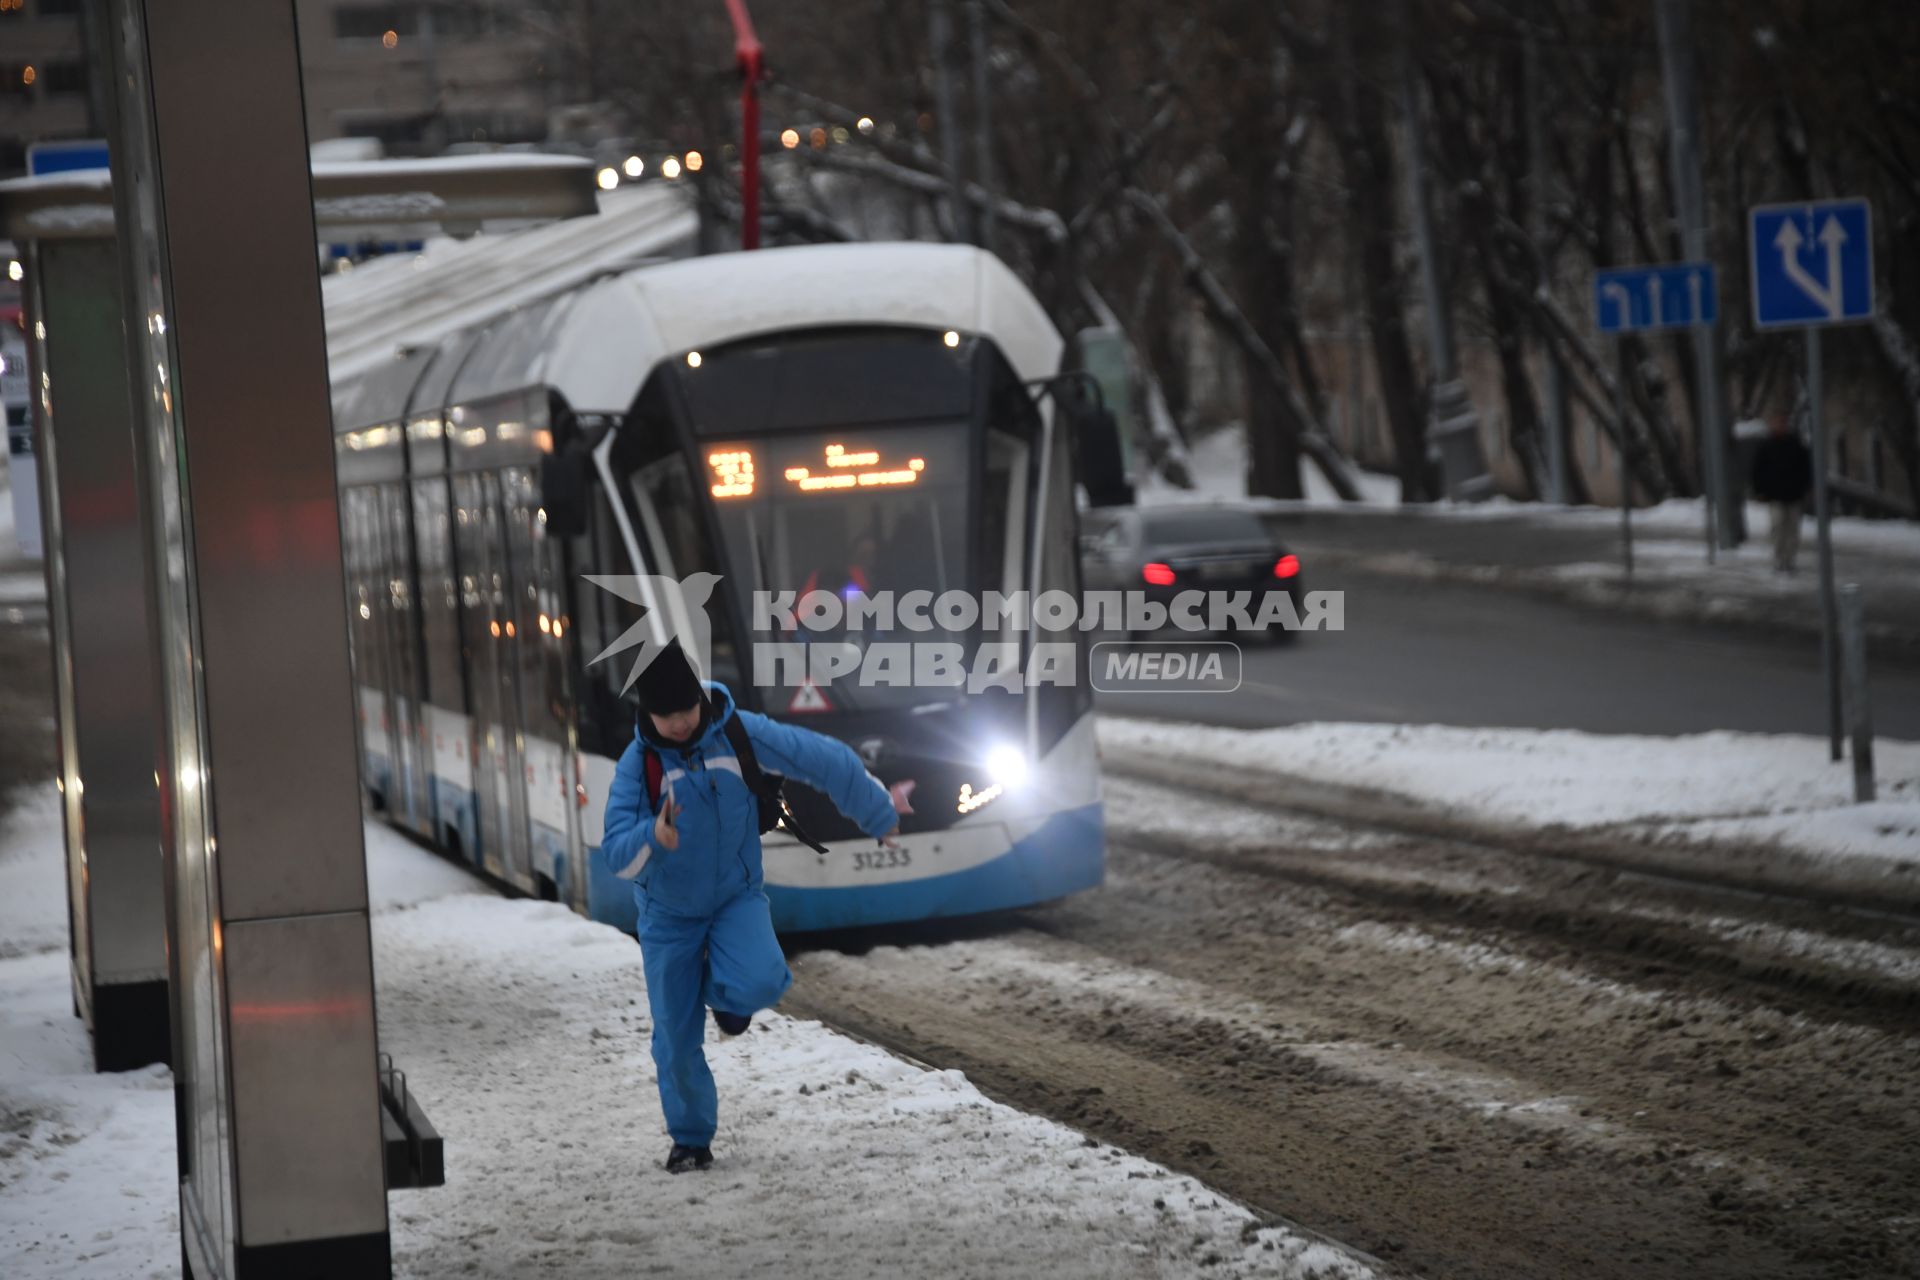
column 1754, row 786
column 1218, row 463
column 523, row 1029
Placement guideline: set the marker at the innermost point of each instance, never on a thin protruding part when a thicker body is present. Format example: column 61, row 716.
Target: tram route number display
column 882, row 859
column 839, row 468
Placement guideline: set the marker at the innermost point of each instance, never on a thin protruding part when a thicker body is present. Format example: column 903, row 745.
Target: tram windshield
column 862, row 513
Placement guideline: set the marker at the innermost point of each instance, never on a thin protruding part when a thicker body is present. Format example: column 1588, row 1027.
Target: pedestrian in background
column 1782, row 475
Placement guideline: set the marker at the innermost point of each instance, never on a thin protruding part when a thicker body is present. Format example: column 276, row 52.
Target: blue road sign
column 65, row 157
column 1677, row 295
column 1812, row 264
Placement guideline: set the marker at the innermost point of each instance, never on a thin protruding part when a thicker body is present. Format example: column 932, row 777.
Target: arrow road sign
column 1812, row 264
column 1677, row 295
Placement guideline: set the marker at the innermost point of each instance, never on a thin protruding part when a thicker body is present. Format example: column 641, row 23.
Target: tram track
column 1470, row 1057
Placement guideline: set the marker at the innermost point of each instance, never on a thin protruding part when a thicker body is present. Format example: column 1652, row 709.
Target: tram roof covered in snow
column 595, row 341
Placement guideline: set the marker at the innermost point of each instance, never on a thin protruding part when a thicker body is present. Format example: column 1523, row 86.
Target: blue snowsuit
column 706, row 934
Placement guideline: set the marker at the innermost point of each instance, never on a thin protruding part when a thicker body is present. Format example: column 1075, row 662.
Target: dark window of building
column 462, row 21
column 17, row 78
column 372, row 21
column 58, row 8
column 64, row 77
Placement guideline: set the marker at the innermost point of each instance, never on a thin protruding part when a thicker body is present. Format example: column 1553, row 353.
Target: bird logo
column 674, row 609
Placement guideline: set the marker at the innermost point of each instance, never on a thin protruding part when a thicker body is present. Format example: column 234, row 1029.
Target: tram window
column 851, row 377
column 1006, row 490
column 1059, row 570
column 898, row 525
column 439, row 595
column 596, row 618
column 1003, row 511
column 674, row 542
column 544, row 696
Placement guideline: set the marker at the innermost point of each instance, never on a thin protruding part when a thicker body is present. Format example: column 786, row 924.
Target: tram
column 660, row 420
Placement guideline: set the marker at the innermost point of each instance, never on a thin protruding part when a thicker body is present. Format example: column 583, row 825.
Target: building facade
column 44, row 90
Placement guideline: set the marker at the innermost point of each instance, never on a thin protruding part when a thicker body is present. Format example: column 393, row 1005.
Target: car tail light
column 1286, row 567
column 1158, row 575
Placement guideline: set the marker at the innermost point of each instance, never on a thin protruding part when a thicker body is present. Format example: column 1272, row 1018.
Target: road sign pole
column 1853, row 657
column 1626, row 476
column 1829, row 612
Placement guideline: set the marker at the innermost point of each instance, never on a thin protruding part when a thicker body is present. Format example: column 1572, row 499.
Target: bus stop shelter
column 177, row 366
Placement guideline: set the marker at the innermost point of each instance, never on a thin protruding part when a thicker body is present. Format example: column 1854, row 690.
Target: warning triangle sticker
column 809, row 698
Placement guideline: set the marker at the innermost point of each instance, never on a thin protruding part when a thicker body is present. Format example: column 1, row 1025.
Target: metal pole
column 982, row 118
column 1853, row 657
column 1626, row 511
column 1620, row 452
column 942, row 36
column 1676, row 63
column 1829, row 666
column 749, row 57
column 1556, row 397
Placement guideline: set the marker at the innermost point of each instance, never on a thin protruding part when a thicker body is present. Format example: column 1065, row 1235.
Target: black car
column 1163, row 551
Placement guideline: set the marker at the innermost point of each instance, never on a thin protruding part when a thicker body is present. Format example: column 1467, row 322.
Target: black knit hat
column 669, row 683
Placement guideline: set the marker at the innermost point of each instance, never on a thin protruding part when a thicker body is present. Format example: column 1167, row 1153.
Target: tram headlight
column 1007, row 766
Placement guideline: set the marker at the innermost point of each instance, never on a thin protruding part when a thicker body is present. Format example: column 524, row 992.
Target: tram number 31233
column 881, row 859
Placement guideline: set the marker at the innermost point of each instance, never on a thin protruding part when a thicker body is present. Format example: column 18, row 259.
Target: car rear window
column 1204, row 526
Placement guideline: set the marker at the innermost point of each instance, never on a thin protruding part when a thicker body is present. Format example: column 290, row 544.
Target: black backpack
column 767, row 790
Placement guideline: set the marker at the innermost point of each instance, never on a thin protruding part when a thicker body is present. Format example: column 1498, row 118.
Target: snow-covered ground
column 523, row 1029
column 1777, row 789
column 1218, row 464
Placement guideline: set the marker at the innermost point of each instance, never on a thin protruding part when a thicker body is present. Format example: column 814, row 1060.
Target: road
column 1471, row 1061
column 1445, row 653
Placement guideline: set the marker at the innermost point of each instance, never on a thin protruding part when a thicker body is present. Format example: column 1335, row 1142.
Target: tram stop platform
column 524, row 1031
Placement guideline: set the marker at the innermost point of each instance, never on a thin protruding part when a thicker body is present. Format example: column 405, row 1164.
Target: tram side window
column 673, row 537
column 544, row 697
column 598, row 619
column 670, row 521
column 1007, row 480
column 439, row 595
column 1059, row 570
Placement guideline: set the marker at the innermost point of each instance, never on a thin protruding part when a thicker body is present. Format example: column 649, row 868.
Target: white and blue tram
column 601, row 430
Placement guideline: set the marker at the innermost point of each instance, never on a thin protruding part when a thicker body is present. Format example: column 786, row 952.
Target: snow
column 1218, row 464
column 33, row 891
column 9, row 544
column 1779, row 788
column 523, row 1031
column 435, row 165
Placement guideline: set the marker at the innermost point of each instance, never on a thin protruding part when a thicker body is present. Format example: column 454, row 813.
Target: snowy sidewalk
column 523, row 1029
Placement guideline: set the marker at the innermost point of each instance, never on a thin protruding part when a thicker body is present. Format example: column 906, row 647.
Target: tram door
column 365, row 563
column 546, row 700
column 491, row 631
column 407, row 795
